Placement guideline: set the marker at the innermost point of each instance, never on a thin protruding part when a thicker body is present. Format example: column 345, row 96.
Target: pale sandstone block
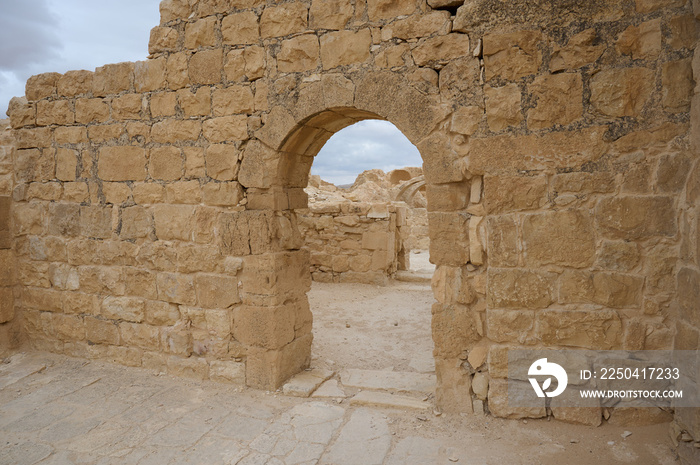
column 165, row 163
column 589, row 329
column 222, row 162
column 447, row 47
column 170, row 130
column 466, row 120
column 187, row 192
column 641, row 42
column 622, row 92
column 503, row 106
column 174, row 222
column 520, row 288
column 512, row 55
column 614, row 290
column 226, row 128
column 150, row 75
column 345, row 47
column 266, row 327
column 205, row 67
column 194, row 162
column 101, row 332
column 161, row 313
column 330, row 14
column 113, row 79
column 647, row 6
column 510, row 325
column 75, row 83
column 177, row 70
column 21, row 112
column 59, row 112
column 176, row 288
column 140, row 335
column 70, row 135
column 565, row 238
column 125, row 163
column 162, row 39
column 284, row 20
column 227, row 371
column 201, row 33
column 682, row 31
column 580, row 51
column 216, row 291
column 678, row 83
column 246, row 64
column 298, row 54
column 127, row 107
column 631, row 218
column 449, row 234
column 66, row 164
column 123, row 308
column 136, row 223
column 163, row 104
column 415, row 27
column 559, row 100
column 386, row 9
column 240, row 28
column 33, row 138
column 233, row 100
column 41, row 86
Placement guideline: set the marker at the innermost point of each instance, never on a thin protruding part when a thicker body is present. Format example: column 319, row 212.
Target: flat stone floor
column 59, row 410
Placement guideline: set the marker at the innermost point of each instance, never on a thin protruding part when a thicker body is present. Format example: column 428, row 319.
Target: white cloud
column 365, row 145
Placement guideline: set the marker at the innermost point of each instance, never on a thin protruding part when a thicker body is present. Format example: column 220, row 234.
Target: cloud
column 365, row 145
column 40, row 36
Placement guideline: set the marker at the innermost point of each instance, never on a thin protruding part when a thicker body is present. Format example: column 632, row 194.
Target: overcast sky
column 40, row 36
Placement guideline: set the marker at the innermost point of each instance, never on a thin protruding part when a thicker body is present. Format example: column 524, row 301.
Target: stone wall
column 9, row 329
column 155, row 210
column 355, row 242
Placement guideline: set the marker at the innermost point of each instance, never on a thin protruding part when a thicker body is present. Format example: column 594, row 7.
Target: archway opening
column 364, row 225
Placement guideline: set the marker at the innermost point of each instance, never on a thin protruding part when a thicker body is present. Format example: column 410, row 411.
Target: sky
column 40, row 36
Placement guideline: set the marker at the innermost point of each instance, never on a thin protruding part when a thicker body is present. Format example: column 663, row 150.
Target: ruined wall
column 155, row 212
column 9, row 327
column 355, row 242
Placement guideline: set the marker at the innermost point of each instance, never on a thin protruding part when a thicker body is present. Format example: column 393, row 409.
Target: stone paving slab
column 387, row 400
column 306, row 382
column 76, row 412
column 389, row 380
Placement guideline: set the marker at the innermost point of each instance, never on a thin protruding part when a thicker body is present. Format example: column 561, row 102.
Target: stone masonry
column 154, row 203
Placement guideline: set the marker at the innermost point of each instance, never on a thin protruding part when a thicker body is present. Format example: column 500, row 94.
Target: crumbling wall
column 9, row 328
column 155, row 214
column 355, row 242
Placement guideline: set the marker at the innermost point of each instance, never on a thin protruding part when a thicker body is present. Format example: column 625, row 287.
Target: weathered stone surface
column 614, row 290
column 505, row 194
column 240, row 28
column 417, row 26
column 165, row 163
column 388, row 380
column 384, row 9
column 642, row 42
column 510, row 325
column 580, row 51
column 205, row 67
column 124, row 163
column 683, row 33
column 559, row 100
column 647, row 6
column 630, row 218
column 329, row 14
column 201, row 33
column 306, row 382
column 226, row 128
column 345, row 48
column 284, row 20
column 113, row 79
column 678, row 83
column 466, row 120
column 590, row 329
column 447, row 47
column 503, row 106
column 246, row 64
column 386, row 400
column 512, row 55
column 501, row 407
column 622, row 92
column 565, row 238
column 298, row 54
column 449, row 234
column 519, row 288
column 618, row 255
column 366, row 431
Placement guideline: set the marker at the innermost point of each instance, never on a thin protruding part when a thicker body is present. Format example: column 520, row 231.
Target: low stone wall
column 355, row 242
column 8, row 326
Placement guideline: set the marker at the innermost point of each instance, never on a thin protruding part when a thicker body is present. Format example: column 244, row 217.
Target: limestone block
column 34, row 165
column 240, row 28
column 201, row 33
column 222, row 194
column 453, row 387
column 216, row 291
column 274, row 277
column 647, row 6
column 226, row 128
column 563, row 238
column 127, row 107
column 123, row 308
column 591, row 416
column 176, row 288
column 449, row 238
column 222, row 162
column 476, row 240
column 194, row 162
column 74, row 83
column 101, row 332
column 169, row 131
column 443, row 48
column 162, row 39
column 584, row 182
column 503, row 106
column 580, row 51
column 590, row 329
column 520, row 288
column 500, row 406
column 503, row 245
column 505, row 194
column 205, row 67
column 618, row 255
column 116, row 193
column 28, row 218
column 466, row 120
column 195, row 104
column 392, row 56
column 113, row 79
column 683, row 33
column 66, row 164
column 161, row 313
column 33, row 138
column 283, row 20
column 512, row 55
column 345, row 48
column 140, row 335
column 677, row 81
column 258, row 165
column 177, row 70
column 123, row 163
column 64, row 219
column 174, row 222
column 440, row 160
column 165, row 163
column 553, row 150
column 510, row 325
column 641, row 42
column 41, row 86
column 246, row 64
column 96, row 221
column 233, row 100
column 454, row 328
column 186, row 192
column 227, row 371
column 88, row 110
column 195, row 368
column 21, row 112
column 621, row 92
column 559, row 100
column 54, row 112
column 387, row 9
column 298, row 54
column 330, row 14
column 269, row 369
column 631, row 218
column 105, row 133
column 267, row 327
column 614, row 290
column 140, row 282
column 415, row 27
